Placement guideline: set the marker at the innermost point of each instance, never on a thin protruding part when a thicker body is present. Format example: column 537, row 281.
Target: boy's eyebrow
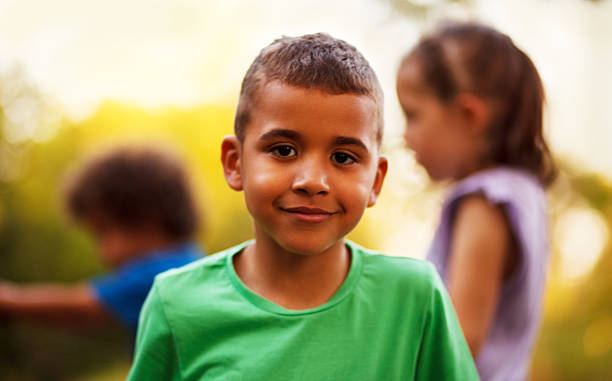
column 280, row 133
column 346, row 140
column 290, row 134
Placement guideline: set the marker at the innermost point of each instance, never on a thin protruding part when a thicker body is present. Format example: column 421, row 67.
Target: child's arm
column 479, row 257
column 52, row 302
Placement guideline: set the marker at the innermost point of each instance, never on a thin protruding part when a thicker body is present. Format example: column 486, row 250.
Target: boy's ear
column 381, row 172
column 474, row 111
column 230, row 158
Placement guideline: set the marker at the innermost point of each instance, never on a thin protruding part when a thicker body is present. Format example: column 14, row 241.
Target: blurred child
column 137, row 204
column 473, row 106
column 299, row 302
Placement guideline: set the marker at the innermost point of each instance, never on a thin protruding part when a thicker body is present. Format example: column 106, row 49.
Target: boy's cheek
column 262, row 180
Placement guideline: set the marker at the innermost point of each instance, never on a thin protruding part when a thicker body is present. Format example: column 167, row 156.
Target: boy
column 138, row 206
column 299, row 302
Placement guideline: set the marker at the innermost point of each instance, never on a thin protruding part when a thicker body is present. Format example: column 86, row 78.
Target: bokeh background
column 79, row 76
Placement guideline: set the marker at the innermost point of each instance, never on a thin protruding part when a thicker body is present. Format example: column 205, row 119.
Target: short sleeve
column 523, row 202
column 444, row 354
column 155, row 356
column 123, row 293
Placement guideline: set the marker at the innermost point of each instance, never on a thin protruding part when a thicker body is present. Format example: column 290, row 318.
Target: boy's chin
column 308, row 248
column 301, row 242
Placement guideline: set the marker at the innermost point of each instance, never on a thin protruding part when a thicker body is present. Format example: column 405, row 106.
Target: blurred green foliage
column 37, row 243
column 576, row 336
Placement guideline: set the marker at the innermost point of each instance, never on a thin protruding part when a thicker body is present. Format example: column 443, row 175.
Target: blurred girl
column 473, row 107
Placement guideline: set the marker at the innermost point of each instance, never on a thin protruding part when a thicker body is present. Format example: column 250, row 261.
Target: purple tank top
column 506, row 352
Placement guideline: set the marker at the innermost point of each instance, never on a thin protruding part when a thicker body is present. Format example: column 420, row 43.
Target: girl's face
column 436, row 131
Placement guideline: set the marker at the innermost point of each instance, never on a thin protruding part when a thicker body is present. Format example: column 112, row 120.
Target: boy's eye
column 343, row 158
column 284, row 151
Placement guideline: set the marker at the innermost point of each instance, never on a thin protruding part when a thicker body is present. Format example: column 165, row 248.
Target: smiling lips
column 311, row 215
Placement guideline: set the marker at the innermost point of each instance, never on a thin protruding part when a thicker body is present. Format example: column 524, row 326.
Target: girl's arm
column 52, row 302
column 480, row 258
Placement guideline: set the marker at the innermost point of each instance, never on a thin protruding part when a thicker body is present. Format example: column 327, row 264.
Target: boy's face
column 309, row 166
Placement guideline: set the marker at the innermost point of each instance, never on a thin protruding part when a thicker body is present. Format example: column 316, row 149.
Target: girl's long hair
column 468, row 57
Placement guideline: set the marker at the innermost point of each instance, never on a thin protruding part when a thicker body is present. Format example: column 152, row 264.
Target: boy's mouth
column 307, row 214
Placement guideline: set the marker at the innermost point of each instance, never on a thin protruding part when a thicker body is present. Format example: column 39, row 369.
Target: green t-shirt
column 391, row 319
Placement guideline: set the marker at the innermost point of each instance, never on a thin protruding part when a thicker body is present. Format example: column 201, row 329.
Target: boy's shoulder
column 395, row 264
column 405, row 273
column 197, row 271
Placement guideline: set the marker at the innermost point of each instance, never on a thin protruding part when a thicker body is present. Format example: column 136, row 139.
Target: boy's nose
column 311, row 179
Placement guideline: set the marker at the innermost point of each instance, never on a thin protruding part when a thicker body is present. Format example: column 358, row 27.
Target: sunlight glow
column 581, row 236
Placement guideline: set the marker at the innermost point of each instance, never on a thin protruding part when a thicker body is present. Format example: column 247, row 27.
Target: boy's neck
column 293, row 281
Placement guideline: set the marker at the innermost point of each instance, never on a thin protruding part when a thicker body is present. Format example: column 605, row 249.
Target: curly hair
column 134, row 187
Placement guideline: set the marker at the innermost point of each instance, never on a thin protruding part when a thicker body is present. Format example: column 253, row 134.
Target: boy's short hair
column 134, row 187
column 313, row 61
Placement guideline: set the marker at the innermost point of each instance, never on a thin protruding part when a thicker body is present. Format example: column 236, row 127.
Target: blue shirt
column 124, row 291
